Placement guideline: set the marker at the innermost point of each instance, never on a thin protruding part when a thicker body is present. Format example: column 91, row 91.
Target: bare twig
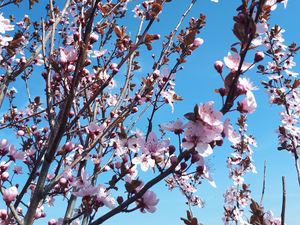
column 283, row 201
column 264, row 184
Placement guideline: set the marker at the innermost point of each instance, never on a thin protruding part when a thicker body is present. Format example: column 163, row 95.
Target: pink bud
column 52, row 222
column 3, row 143
column 10, row 194
column 3, row 214
column 19, row 210
column 71, row 68
column 69, row 146
column 118, row 165
column 20, row 133
column 197, row 42
column 134, row 109
column 4, row 176
column 113, row 65
column 259, row 56
column 93, row 38
column 4, row 166
column 219, row 66
column 156, row 74
column 76, row 36
column 62, row 181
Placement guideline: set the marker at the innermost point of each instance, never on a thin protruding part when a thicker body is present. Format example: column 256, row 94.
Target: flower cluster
column 240, row 162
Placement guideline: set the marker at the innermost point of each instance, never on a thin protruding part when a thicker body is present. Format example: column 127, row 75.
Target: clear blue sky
column 196, row 84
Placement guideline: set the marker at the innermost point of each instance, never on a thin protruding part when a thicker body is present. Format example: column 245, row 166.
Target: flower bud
column 195, row 157
column 183, row 166
column 20, row 133
column 219, row 66
column 173, row 159
column 52, row 222
column 259, row 56
column 4, row 176
column 197, row 42
column 171, row 149
column 69, row 146
column 3, row 214
column 120, row 200
column 76, row 36
column 134, row 109
column 94, row 38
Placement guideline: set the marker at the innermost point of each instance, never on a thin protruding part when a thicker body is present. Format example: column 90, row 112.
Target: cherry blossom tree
column 80, row 142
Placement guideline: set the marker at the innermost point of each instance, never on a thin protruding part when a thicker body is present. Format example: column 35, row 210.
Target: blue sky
column 196, row 83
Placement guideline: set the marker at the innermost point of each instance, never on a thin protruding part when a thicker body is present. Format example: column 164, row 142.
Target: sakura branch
column 74, row 141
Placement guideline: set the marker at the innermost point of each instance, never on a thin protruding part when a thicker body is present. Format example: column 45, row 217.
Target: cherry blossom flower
column 170, row 97
column 5, row 25
column 233, row 62
column 84, row 186
column 149, row 201
column 248, row 104
column 177, row 126
column 104, row 197
column 200, row 133
column 68, row 55
column 4, row 41
column 244, row 85
column 153, row 146
column 145, row 161
column 14, row 154
column 10, row 194
column 270, row 219
column 98, row 54
column 232, row 136
column 17, row 169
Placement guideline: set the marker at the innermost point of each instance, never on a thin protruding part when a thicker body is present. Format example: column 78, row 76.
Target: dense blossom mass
column 89, row 139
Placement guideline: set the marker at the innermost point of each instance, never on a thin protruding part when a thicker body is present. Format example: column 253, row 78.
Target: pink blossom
column 149, row 201
column 39, row 60
column 232, row 136
column 200, row 133
column 104, row 197
column 93, row 128
column 10, row 194
column 153, row 146
column 244, row 85
column 233, row 62
column 270, row 219
column 209, row 116
column 84, row 186
column 170, row 97
column 5, row 25
column 68, row 55
column 177, row 126
column 4, row 176
column 98, row 54
column 14, row 154
column 248, row 104
column 4, row 41
column 145, row 161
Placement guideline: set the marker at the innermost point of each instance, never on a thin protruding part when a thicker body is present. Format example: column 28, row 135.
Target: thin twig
column 264, row 184
column 283, row 201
